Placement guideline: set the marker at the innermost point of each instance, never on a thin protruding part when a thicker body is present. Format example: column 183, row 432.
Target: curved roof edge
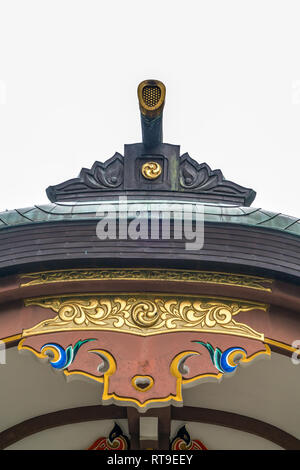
column 78, row 211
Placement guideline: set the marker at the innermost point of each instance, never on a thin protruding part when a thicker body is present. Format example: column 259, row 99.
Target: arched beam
column 59, row 418
column 239, row 422
column 186, row 413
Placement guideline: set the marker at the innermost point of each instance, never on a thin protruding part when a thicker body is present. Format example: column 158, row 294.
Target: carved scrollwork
column 104, row 175
column 200, row 178
column 195, row 176
column 145, row 315
column 182, row 275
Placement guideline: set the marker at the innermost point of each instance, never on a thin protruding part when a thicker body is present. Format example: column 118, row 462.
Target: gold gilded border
column 145, row 314
column 9, row 339
column 96, row 274
column 281, row 345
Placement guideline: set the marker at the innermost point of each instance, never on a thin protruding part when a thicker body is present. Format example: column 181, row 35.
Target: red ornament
column 116, row 441
column 182, row 441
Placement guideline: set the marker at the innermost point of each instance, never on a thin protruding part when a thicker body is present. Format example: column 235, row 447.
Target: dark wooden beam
column 134, row 428
column 165, row 415
column 164, row 427
column 59, row 418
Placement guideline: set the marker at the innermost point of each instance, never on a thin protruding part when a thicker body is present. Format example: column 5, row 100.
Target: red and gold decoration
column 115, row 441
column 144, row 348
column 183, row 441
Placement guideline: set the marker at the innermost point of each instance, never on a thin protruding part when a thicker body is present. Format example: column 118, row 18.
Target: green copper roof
column 58, row 212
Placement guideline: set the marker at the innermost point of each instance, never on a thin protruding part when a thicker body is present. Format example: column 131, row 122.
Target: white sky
column 69, row 72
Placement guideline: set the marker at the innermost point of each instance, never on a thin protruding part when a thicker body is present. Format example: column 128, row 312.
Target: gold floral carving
column 210, row 277
column 145, row 314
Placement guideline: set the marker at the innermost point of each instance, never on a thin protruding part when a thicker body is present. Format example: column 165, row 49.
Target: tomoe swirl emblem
column 151, row 170
column 144, row 314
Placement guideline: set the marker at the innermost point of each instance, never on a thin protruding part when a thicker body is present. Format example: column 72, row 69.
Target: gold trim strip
column 143, row 274
column 280, row 345
column 8, row 339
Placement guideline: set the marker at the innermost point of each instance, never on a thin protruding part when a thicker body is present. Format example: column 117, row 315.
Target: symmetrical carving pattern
column 145, row 315
column 181, row 175
column 209, row 277
column 144, row 348
column 143, row 370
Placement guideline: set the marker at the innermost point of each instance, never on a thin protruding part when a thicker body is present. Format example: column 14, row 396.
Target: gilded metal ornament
column 94, row 274
column 145, row 315
column 151, row 170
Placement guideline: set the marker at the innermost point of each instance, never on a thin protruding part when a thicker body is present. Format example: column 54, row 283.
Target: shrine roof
column 214, row 213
